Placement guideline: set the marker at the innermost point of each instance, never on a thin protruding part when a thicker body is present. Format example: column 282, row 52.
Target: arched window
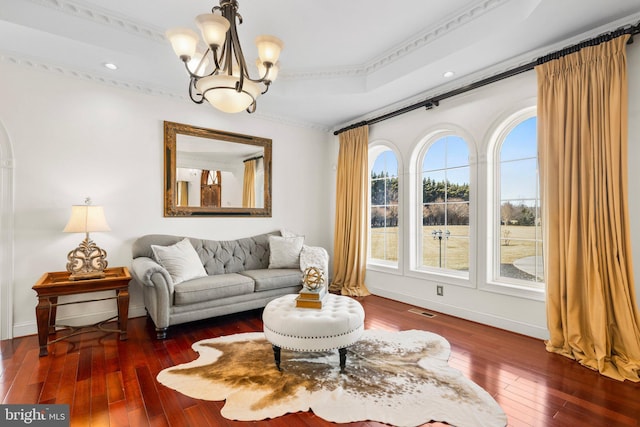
column 518, row 225
column 384, row 222
column 444, row 220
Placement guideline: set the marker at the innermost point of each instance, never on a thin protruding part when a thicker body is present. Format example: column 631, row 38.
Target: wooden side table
column 52, row 285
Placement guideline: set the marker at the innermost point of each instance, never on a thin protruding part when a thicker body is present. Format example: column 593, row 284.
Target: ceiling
column 343, row 59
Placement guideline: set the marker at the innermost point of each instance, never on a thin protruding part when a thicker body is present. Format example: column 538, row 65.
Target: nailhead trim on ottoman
column 338, row 324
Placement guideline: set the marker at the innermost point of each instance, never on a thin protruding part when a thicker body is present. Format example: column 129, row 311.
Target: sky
column 518, row 161
column 519, row 164
column 386, row 161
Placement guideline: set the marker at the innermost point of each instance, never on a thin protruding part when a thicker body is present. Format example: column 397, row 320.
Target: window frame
column 416, row 269
column 493, row 281
column 376, row 148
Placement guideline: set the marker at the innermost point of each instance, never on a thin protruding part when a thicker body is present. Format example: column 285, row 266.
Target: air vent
column 422, row 312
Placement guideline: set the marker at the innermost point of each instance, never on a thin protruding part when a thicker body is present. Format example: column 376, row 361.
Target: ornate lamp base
column 87, row 261
column 83, row 276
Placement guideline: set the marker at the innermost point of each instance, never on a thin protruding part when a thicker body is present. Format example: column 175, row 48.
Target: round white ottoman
column 337, row 325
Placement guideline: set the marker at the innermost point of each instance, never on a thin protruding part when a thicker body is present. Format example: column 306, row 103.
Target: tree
column 384, row 200
column 507, row 213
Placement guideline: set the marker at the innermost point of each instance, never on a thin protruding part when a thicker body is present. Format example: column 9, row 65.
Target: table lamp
column 87, row 261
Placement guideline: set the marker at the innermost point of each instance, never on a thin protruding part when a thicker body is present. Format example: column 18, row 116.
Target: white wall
column 477, row 113
column 73, row 138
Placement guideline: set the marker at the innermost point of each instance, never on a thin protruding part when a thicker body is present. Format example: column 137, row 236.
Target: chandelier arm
column 196, row 76
column 192, row 86
column 237, row 52
column 240, row 56
column 229, row 12
column 263, row 79
column 216, row 61
column 219, row 60
column 228, row 56
column 186, row 66
column 213, row 51
column 241, row 64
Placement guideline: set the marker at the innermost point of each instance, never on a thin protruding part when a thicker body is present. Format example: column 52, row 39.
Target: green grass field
column 517, row 242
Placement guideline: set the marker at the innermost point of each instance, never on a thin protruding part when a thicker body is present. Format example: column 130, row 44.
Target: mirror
column 213, row 173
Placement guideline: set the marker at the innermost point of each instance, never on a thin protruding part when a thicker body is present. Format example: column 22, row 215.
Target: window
column 519, row 253
column 384, row 218
column 444, row 220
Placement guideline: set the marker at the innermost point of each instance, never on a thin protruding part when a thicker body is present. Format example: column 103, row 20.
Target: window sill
column 514, row 290
column 385, row 268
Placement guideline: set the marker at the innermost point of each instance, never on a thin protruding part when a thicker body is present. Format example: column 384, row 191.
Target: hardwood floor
column 107, row 382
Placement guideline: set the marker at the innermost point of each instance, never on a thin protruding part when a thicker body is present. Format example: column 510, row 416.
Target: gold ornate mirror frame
column 177, row 135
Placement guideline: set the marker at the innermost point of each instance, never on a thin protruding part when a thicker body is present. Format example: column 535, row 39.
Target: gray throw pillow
column 284, row 252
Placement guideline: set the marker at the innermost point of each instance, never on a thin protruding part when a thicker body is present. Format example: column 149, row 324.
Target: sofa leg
column 161, row 333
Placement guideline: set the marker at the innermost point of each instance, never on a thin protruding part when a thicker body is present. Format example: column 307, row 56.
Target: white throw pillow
column 284, row 252
column 180, row 260
column 288, row 233
column 315, row 256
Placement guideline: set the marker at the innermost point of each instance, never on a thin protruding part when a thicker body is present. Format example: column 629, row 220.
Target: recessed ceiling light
column 448, row 74
column 110, row 65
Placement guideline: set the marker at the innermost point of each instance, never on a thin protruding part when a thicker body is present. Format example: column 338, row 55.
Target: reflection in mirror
column 209, row 172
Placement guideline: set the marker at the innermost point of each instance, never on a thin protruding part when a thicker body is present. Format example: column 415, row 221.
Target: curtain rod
column 435, row 101
column 253, row 158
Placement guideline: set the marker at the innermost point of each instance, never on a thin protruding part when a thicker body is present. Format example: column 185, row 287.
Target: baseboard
column 474, row 316
column 31, row 328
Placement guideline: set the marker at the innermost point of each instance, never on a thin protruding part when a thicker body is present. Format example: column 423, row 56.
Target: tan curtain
column 182, row 193
column 592, row 312
column 350, row 236
column 249, row 184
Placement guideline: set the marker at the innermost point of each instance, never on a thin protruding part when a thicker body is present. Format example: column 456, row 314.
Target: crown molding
column 494, row 70
column 455, row 21
column 418, row 41
column 102, row 16
column 439, row 30
column 39, row 65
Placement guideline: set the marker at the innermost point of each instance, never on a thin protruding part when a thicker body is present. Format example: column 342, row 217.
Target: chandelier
column 220, row 74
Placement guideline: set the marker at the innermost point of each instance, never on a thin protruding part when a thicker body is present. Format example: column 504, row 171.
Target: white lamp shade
column 85, row 219
column 269, row 48
column 220, row 91
column 273, row 71
column 213, row 27
column 183, row 41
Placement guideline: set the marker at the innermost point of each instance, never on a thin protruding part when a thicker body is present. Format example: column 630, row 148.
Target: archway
column 6, row 235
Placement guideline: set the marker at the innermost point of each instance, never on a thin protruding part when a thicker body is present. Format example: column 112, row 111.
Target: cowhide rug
column 398, row 378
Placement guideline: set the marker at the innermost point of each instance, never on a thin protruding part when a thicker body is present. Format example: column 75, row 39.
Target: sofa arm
column 150, row 273
column 157, row 289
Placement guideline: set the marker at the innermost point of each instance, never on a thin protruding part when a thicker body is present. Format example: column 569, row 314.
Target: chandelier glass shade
column 220, row 74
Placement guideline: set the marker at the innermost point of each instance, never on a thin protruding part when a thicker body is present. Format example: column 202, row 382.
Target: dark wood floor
column 107, row 382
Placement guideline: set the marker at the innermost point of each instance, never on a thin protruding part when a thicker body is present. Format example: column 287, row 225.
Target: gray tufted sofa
column 238, row 280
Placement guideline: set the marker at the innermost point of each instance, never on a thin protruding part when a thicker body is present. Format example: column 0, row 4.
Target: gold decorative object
column 87, row 261
column 313, row 278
